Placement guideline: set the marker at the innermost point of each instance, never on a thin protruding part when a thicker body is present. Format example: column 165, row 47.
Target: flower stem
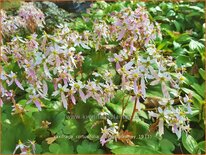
column 134, row 110
column 120, row 122
column 123, row 109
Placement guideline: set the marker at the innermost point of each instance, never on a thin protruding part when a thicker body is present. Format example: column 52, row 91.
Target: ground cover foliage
column 122, row 78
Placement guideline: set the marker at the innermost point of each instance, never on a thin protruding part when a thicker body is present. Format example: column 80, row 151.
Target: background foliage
column 183, row 28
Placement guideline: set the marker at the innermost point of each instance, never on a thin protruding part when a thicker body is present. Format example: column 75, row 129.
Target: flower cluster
column 25, row 148
column 134, row 27
column 56, row 59
column 31, row 15
column 109, row 133
column 9, row 24
column 174, row 117
column 28, row 17
column 141, row 65
column 53, row 58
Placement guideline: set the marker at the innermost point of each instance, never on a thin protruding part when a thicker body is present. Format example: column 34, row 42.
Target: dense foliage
column 122, row 78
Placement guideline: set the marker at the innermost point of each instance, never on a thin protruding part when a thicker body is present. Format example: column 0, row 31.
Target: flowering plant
column 109, row 62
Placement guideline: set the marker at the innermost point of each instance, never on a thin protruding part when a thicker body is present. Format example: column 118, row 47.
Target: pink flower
column 162, row 78
column 35, row 99
column 161, row 115
column 187, row 100
column 117, row 58
column 105, row 135
column 61, row 91
column 78, row 86
column 25, row 149
column 94, row 90
column 73, row 99
column 14, row 79
column 103, row 140
column 64, row 100
column 109, row 133
column 121, row 34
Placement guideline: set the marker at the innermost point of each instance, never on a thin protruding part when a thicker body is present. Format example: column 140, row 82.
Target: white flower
column 61, row 91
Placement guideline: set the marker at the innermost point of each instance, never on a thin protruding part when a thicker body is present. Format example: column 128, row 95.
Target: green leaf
column 190, row 79
column 189, row 143
column 200, row 89
column 113, row 145
column 166, row 146
column 161, row 18
column 183, row 60
column 135, row 150
column 87, row 147
column 177, row 25
column 15, row 128
column 54, row 148
column 38, row 149
column 201, row 146
column 176, row 45
column 151, row 141
column 154, row 91
column 163, row 44
column 99, row 13
column 94, row 129
column 195, row 45
column 170, row 136
column 82, row 109
column 57, row 122
column 202, row 73
column 138, row 128
column 170, row 13
column 195, row 8
column 74, row 127
column 8, row 5
column 183, row 38
column 197, row 133
column 62, row 147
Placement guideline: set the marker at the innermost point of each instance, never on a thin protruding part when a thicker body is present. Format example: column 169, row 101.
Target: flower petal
column 121, row 34
column 128, row 65
column 109, row 122
column 135, row 87
column 82, row 95
column 152, row 114
column 73, row 99
column 123, row 81
column 165, row 91
column 138, row 104
column 143, row 90
column 118, row 66
column 46, row 71
column 64, row 100
column 10, row 82
column 161, row 126
column 45, row 88
column 19, row 84
column 38, row 104
column 155, row 82
column 85, row 46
